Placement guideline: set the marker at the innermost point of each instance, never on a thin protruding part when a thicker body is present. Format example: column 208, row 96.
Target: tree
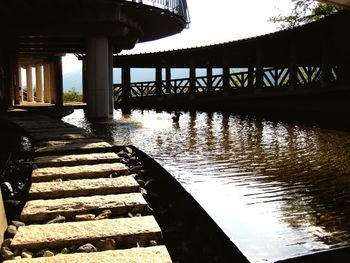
column 303, row 11
column 72, row 96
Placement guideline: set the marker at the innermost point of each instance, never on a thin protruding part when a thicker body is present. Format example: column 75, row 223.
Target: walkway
column 82, row 199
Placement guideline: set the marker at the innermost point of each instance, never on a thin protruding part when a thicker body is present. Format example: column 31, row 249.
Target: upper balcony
column 42, row 27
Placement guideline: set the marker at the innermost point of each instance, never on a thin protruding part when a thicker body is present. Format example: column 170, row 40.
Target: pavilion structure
column 37, row 33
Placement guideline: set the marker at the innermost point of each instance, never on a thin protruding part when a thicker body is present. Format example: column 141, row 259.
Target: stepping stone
column 120, row 204
column 72, row 145
column 122, row 184
column 58, row 136
column 78, row 172
column 59, row 235
column 76, row 159
column 156, row 254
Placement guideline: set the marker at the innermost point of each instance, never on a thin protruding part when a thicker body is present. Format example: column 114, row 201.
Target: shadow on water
column 277, row 190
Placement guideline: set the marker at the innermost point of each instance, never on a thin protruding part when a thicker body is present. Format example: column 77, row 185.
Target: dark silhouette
column 176, row 117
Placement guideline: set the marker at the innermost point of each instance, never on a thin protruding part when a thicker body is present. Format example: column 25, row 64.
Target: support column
column 30, row 93
column 226, row 77
column 326, row 67
column 293, row 67
column 209, row 78
column 98, row 79
column 158, row 81
column 168, row 79
column 39, row 83
column 192, row 78
column 58, row 81
column 47, row 83
column 126, row 88
column 20, row 88
column 53, row 98
column 85, row 91
column 259, row 70
column 111, row 86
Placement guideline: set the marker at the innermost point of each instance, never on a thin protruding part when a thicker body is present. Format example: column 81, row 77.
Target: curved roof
column 274, row 47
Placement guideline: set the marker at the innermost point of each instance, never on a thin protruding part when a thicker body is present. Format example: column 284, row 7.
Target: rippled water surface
column 277, row 190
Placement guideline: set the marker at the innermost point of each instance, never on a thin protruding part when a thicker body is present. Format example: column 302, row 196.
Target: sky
column 212, row 22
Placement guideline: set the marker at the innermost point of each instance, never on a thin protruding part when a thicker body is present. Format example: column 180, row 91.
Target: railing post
column 293, row 66
column 159, row 81
column 168, row 79
column 226, row 77
column 209, row 78
column 126, row 87
column 192, row 78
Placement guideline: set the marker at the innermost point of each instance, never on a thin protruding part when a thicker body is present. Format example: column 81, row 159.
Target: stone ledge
column 59, row 235
column 76, row 159
column 78, row 172
column 157, row 254
column 122, row 184
column 44, row 210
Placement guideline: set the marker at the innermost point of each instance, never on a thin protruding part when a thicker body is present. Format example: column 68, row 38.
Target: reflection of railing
column 178, row 7
column 271, row 78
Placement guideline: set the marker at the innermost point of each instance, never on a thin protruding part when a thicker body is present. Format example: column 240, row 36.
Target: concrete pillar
column 111, row 86
column 168, row 79
column 85, row 91
column 39, row 83
column 251, row 76
column 259, row 70
column 326, row 67
column 30, row 93
column 126, row 88
column 192, row 79
column 47, row 83
column 98, row 79
column 158, row 81
column 226, row 77
column 20, row 88
column 52, row 83
column 58, row 81
column 209, row 78
column 293, row 67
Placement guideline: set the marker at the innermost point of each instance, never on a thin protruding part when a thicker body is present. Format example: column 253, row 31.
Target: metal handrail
column 178, row 7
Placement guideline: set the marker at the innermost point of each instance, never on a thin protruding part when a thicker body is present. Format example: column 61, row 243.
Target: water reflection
column 277, row 190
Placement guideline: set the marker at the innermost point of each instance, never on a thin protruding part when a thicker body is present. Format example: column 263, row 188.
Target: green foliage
column 303, row 11
column 72, row 96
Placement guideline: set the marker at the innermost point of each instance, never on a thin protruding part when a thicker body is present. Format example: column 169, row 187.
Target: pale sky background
column 212, row 22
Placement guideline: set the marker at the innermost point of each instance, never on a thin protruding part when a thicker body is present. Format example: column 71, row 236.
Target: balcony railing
column 178, row 7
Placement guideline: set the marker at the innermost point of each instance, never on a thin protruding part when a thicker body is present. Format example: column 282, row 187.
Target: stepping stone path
column 86, row 197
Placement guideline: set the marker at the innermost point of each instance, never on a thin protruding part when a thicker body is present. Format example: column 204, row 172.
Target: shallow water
column 277, row 190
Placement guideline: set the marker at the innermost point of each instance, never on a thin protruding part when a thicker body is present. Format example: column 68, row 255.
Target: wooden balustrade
column 271, row 77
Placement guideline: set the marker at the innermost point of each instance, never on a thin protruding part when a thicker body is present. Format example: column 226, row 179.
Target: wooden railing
column 271, row 78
